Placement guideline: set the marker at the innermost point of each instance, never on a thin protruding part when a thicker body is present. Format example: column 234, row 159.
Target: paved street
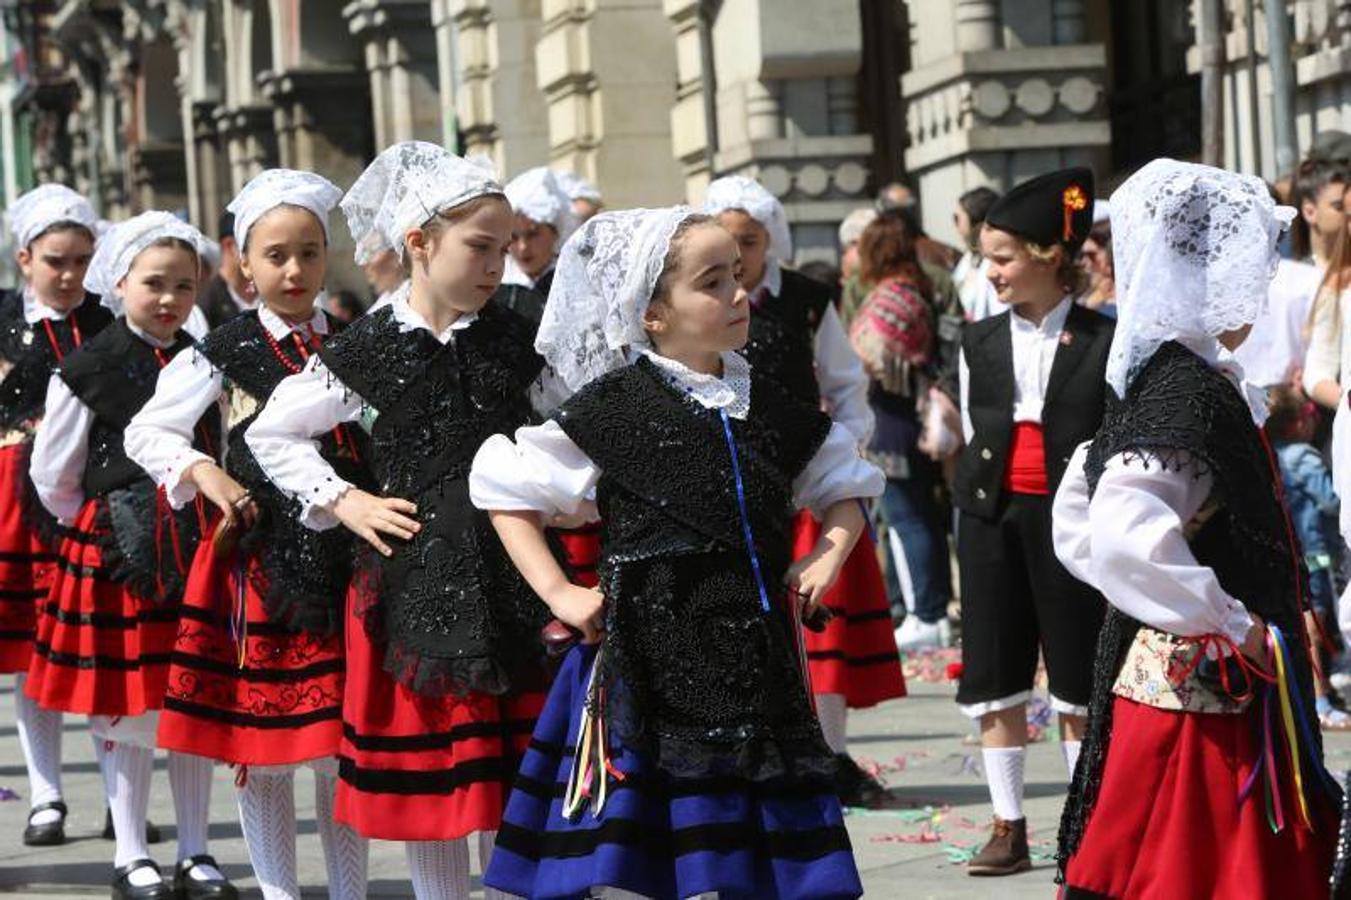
column 910, row 853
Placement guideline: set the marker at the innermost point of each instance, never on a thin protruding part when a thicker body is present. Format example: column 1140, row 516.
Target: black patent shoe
column 860, row 789
column 123, row 889
column 152, row 832
column 49, row 834
column 188, row 888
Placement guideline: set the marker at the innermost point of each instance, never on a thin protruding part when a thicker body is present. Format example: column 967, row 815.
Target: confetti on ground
column 7, row 794
column 931, row 665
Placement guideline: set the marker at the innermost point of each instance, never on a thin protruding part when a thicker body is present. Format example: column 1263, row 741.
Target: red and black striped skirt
column 26, row 564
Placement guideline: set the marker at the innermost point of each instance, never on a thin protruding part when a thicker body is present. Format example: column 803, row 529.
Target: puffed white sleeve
column 837, row 472
column 542, row 470
column 1070, row 533
column 283, row 439
column 844, row 383
column 1323, row 359
column 1140, row 558
column 60, row 450
column 159, row 437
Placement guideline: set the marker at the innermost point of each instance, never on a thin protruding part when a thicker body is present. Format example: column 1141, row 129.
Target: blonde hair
column 1068, row 274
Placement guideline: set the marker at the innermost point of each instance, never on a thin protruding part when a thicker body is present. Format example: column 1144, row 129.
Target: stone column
column 247, row 136
column 982, row 113
column 608, row 72
column 691, row 116
column 443, row 24
column 209, row 166
column 399, row 43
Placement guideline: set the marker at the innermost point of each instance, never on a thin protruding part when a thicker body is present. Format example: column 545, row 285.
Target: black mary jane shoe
column 123, row 889
column 188, row 888
column 49, row 834
column 152, row 832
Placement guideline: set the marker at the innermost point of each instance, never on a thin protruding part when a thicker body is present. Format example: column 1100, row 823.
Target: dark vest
column 1073, row 410
column 304, row 573
column 28, row 352
column 456, row 614
column 710, row 680
column 525, row 302
column 782, row 344
column 216, row 303
column 1180, row 410
column 145, row 545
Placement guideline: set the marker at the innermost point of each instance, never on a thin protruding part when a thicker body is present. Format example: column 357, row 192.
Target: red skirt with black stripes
column 582, row 548
column 26, row 564
column 100, row 650
column 856, row 653
column 252, row 694
column 416, row 768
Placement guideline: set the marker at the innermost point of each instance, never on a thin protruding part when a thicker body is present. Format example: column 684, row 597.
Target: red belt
column 1026, row 471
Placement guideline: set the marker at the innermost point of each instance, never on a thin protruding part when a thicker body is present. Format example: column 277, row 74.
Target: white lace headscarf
column 602, row 286
column 752, row 198
column 1195, row 250
column 282, row 187
column 406, row 185
column 118, row 249
column 538, row 195
column 45, row 206
column 578, row 188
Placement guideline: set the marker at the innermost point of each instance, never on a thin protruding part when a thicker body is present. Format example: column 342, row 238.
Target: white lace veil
column 577, row 187
column 752, row 198
column 406, row 185
column 44, row 206
column 123, row 242
column 282, row 187
column 538, row 194
column 602, row 285
column 1195, row 250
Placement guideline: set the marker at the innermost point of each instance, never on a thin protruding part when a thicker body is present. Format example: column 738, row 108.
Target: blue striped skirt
column 657, row 836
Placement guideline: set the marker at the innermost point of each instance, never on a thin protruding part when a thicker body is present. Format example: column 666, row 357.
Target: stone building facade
column 175, row 103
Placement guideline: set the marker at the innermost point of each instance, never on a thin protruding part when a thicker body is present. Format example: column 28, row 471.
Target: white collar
column 1218, row 357
column 731, row 392
column 1051, row 324
column 409, row 320
column 280, row 328
column 772, row 280
column 34, row 312
column 148, row 337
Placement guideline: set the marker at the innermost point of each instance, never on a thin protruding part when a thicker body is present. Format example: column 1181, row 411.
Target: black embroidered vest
column 782, row 344
column 28, row 358
column 710, row 677
column 454, row 611
column 302, row 574
column 146, row 545
column 1180, row 410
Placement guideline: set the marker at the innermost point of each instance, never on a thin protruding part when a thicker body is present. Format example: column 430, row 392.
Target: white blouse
column 159, row 438
column 313, row 402
column 545, row 472
column 1329, row 354
column 1129, row 541
column 62, row 444
column 1034, row 348
column 839, row 371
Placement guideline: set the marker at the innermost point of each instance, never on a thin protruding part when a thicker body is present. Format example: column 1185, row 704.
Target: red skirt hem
column 280, row 705
column 416, row 768
column 856, row 653
column 1187, row 835
column 26, row 565
column 99, row 649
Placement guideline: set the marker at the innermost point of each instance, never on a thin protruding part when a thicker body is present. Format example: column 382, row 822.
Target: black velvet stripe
column 257, row 627
column 670, row 788
column 25, row 596
column 436, row 740
column 197, row 663
column 872, row 615
column 802, row 846
column 17, row 634
column 88, row 573
column 80, row 536
column 245, row 720
column 163, row 614
column 25, row 558
column 98, row 661
column 548, row 748
column 409, row 782
column 875, row 659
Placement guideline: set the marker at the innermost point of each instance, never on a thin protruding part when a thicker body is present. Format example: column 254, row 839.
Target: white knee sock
column 267, row 812
column 487, row 840
column 190, row 782
column 126, row 779
column 40, row 738
column 1004, row 772
column 834, row 715
column 1071, row 751
column 346, row 853
column 439, row 869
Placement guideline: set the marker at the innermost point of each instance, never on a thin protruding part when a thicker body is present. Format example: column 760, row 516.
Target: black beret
column 1055, row 208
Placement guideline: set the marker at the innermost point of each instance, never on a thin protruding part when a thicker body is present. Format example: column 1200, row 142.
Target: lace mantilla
column 1195, row 252
column 538, row 195
column 45, row 206
column 752, row 198
column 282, row 187
column 118, row 249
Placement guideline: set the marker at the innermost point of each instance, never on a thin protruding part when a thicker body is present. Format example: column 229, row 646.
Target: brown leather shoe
column 1006, row 853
